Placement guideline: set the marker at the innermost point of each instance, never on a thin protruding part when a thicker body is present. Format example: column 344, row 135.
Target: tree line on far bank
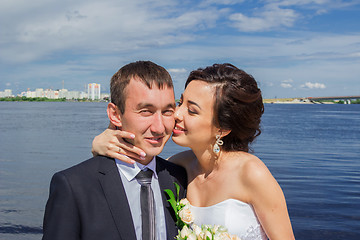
column 43, row 99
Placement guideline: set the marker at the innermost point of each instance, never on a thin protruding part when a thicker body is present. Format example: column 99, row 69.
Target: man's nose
column 157, row 125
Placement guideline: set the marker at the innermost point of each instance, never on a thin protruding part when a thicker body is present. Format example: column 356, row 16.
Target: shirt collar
column 131, row 170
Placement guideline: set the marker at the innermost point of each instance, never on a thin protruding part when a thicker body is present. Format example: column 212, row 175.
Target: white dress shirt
column 132, row 189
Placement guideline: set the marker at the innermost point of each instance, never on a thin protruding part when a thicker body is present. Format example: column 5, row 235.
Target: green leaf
column 177, row 190
column 171, row 200
column 175, row 204
column 170, row 194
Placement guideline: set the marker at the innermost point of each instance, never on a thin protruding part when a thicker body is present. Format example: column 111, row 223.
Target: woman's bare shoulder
column 253, row 170
column 183, row 158
column 257, row 179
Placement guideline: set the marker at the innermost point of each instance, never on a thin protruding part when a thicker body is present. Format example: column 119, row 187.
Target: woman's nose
column 177, row 113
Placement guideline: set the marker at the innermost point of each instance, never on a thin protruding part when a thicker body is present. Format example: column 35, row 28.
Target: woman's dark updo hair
column 238, row 103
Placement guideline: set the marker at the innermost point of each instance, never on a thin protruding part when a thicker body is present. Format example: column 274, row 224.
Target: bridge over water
column 333, row 98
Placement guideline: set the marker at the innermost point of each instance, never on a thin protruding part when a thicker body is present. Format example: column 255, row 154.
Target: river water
column 312, row 150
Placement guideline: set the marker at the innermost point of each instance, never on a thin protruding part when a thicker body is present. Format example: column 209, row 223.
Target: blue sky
column 293, row 48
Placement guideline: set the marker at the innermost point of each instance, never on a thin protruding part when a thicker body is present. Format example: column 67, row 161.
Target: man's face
column 149, row 114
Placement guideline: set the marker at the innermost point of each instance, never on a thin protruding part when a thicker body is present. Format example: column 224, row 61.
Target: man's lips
column 154, row 140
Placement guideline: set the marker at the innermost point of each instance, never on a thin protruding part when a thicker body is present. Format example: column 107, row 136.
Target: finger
column 122, row 157
column 129, row 147
column 124, row 134
column 130, row 154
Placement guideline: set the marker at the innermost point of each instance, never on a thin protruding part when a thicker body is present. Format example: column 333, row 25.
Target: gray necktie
column 147, row 205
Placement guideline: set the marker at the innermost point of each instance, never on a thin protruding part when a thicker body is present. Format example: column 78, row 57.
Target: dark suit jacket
column 88, row 201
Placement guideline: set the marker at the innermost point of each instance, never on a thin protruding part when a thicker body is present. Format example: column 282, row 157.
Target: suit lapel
column 115, row 195
column 167, row 182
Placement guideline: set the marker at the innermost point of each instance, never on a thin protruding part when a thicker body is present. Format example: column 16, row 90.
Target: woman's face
column 194, row 126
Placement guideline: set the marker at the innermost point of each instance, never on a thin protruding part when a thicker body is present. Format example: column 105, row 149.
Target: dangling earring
column 218, row 143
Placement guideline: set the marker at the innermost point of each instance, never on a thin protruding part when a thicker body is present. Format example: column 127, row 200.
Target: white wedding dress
column 238, row 217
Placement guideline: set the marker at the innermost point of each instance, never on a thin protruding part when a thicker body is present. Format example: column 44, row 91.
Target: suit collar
column 166, row 182
column 115, row 195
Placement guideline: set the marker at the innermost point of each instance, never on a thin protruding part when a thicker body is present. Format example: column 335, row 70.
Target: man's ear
column 114, row 115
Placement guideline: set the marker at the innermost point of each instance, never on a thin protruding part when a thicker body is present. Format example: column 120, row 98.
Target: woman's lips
column 178, row 130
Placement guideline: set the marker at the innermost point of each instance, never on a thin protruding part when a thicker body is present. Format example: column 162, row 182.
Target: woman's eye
column 191, row 111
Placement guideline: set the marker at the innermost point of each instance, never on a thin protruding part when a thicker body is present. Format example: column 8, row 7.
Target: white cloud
column 223, row 2
column 310, row 85
column 269, row 21
column 283, row 13
column 97, row 27
column 321, row 11
column 269, row 17
column 288, row 80
column 177, row 70
column 355, row 54
column 286, row 85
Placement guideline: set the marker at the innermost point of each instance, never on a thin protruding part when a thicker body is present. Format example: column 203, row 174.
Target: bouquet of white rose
column 185, row 222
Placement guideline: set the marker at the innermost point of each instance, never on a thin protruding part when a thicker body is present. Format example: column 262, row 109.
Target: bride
column 218, row 117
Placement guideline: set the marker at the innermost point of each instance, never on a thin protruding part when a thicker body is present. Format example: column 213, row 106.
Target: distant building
column 51, row 94
column 30, row 94
column 94, row 91
column 39, row 92
column 6, row 93
column 73, row 95
column 63, row 93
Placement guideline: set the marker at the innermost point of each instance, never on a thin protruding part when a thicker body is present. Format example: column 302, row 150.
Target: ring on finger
column 119, row 150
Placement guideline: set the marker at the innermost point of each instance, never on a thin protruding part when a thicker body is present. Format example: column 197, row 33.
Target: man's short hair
column 146, row 71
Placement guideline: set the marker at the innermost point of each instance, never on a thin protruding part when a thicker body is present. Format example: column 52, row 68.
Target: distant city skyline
column 92, row 92
column 292, row 48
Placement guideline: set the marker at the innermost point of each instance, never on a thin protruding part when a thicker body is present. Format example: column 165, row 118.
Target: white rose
column 201, row 235
column 215, row 228
column 186, row 215
column 204, row 227
column 234, row 237
column 196, row 229
column 208, row 234
column 185, row 231
column 184, row 201
column 223, row 236
column 221, row 229
column 191, row 236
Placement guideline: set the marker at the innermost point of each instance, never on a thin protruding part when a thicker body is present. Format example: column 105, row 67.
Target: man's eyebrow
column 171, row 105
column 149, row 105
column 144, row 105
column 194, row 103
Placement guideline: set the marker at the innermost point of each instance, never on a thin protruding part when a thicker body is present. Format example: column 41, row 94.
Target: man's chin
column 154, row 151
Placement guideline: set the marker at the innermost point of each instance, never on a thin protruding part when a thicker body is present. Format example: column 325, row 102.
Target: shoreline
column 296, row 101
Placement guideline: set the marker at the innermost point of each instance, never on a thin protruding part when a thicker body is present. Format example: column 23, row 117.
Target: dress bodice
column 238, row 217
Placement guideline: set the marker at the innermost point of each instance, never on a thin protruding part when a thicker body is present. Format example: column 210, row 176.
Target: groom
column 100, row 198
